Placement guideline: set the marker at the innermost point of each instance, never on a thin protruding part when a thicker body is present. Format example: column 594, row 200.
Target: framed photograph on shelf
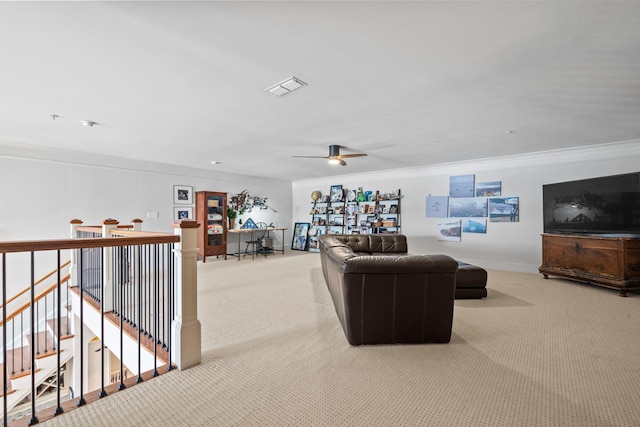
column 182, row 195
column 182, row 212
column 336, row 193
column 299, row 242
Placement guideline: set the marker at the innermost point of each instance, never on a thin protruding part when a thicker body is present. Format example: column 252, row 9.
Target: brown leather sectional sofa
column 384, row 295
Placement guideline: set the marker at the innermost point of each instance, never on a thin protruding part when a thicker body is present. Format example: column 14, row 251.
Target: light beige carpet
column 534, row 353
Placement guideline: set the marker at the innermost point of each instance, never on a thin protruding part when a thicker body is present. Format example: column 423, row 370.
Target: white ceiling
column 409, row 83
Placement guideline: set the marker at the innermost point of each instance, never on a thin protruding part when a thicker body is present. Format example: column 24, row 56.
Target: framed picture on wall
column 182, row 195
column 504, row 209
column 437, row 206
column 461, row 185
column 299, row 242
column 182, row 212
column 449, row 230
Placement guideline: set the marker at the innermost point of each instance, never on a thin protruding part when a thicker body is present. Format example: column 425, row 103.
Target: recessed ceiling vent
column 287, row 86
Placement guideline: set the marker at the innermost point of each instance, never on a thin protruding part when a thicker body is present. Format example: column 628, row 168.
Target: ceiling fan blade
column 334, row 156
column 346, row 156
column 313, row 157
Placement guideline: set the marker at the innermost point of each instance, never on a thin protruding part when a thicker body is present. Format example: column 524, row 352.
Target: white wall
column 508, row 246
column 39, row 197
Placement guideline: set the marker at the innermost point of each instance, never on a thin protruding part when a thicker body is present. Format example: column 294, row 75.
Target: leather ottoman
column 471, row 281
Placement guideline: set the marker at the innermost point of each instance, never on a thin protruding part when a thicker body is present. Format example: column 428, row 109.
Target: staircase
column 46, row 347
column 132, row 292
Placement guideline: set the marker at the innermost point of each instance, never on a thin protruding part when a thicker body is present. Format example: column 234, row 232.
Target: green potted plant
column 232, row 214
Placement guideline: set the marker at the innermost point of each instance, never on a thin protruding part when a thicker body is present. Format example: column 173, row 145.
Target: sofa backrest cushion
column 388, row 243
column 410, row 264
column 363, row 244
column 357, row 242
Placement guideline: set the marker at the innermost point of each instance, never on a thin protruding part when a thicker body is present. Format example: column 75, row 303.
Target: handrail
column 42, row 279
column 136, row 233
column 51, row 245
column 90, row 228
column 37, row 298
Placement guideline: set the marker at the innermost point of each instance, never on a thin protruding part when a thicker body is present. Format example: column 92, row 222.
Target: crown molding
column 12, row 150
column 590, row 153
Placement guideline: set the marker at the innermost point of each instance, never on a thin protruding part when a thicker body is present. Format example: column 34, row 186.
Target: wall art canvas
column 504, row 209
column 437, row 206
column 467, row 207
column 314, row 233
column 299, row 242
column 489, row 189
column 461, row 185
column 474, row 225
column 449, row 230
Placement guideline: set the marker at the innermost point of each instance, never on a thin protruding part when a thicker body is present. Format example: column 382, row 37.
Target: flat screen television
column 603, row 205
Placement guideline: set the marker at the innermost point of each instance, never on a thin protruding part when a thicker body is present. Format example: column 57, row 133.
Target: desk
column 241, row 231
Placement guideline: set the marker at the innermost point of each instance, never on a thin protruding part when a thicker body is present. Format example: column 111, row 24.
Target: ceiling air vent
column 286, row 86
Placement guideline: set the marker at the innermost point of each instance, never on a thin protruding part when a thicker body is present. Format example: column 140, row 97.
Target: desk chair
column 256, row 240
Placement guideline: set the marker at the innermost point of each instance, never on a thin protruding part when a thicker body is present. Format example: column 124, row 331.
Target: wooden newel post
column 137, row 224
column 73, row 266
column 186, row 348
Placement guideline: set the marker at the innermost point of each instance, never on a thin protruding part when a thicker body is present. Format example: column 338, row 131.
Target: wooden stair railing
column 28, row 288
column 37, row 298
column 124, row 237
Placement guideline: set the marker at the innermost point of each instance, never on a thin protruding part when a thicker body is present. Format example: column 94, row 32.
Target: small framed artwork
column 478, row 225
column 437, row 206
column 488, row 189
column 504, row 209
column 336, row 193
column 182, row 212
column 182, row 195
column 449, row 230
column 461, row 185
column 468, row 207
column 299, row 242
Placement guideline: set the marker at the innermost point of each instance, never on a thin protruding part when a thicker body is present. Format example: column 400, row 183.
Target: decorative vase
column 316, row 195
column 232, row 223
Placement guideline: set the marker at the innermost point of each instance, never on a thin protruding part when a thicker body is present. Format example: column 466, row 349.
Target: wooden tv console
column 609, row 260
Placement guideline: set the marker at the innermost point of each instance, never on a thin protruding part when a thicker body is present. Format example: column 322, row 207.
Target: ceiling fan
column 335, row 158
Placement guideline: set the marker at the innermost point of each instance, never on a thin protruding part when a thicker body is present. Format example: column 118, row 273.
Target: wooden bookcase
column 379, row 214
column 211, row 214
